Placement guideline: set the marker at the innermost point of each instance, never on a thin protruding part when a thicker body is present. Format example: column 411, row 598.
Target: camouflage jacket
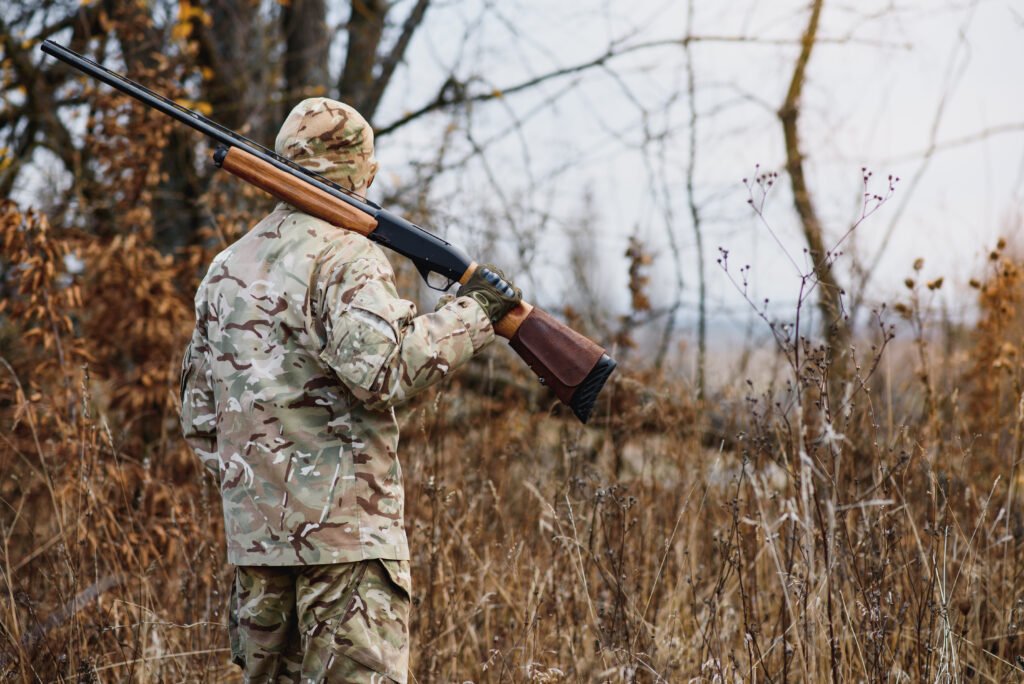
column 302, row 346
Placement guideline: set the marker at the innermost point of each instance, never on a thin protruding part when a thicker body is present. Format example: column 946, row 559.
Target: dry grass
column 861, row 528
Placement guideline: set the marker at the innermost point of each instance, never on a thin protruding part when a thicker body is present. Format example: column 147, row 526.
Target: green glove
column 495, row 293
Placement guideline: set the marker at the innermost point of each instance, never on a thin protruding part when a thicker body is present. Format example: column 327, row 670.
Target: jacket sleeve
column 198, row 408
column 377, row 345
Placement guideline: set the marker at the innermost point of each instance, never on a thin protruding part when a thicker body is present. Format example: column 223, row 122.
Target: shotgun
column 574, row 367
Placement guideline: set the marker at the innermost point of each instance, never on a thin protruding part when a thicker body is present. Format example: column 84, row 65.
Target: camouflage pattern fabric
column 331, row 138
column 302, row 348
column 326, row 623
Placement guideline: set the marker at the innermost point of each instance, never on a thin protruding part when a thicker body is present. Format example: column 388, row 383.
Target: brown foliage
column 662, row 543
column 93, row 509
column 997, row 355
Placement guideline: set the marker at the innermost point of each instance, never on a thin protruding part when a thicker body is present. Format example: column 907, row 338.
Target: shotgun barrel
column 574, row 367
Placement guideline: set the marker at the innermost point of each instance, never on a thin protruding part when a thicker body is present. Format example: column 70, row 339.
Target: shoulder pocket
column 361, row 345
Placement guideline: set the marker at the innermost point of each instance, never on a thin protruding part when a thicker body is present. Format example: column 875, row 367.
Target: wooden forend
column 509, row 325
column 304, row 197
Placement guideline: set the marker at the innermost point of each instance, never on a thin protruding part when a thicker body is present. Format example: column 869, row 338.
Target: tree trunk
column 230, row 87
column 830, row 302
column 304, row 23
column 695, row 217
column 390, row 61
column 226, row 56
column 177, row 216
column 365, row 28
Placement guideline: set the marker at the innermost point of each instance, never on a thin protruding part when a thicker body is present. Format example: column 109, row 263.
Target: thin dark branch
column 365, row 29
column 961, row 141
column 955, row 71
column 452, row 91
column 20, row 153
column 695, row 216
column 39, row 103
column 394, row 58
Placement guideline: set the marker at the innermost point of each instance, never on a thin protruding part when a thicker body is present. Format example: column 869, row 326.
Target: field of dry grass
column 863, row 524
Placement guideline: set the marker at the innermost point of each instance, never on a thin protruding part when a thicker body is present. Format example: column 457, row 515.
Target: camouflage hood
column 331, row 138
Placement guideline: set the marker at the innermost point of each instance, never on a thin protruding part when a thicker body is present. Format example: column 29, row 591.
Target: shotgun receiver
column 574, row 367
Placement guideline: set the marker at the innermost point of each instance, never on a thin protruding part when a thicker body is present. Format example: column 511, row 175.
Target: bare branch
column 829, row 297
column 453, row 91
column 39, row 104
column 695, row 216
column 365, row 29
column 962, row 141
column 953, row 75
column 394, row 57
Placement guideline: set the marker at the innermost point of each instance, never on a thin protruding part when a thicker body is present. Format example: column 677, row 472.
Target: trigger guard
column 425, row 274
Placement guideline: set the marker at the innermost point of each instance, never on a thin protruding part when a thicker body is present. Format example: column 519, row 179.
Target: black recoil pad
column 585, row 397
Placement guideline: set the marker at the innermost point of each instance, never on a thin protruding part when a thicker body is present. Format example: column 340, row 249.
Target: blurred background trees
column 243, row 63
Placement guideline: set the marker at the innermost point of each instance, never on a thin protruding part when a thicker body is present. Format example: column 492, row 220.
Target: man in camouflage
column 302, row 348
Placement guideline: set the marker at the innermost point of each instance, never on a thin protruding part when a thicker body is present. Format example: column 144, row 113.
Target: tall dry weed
column 813, row 528
column 106, row 516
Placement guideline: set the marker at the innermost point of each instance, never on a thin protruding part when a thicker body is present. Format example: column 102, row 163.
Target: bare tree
column 307, row 44
column 695, row 216
column 368, row 67
column 830, row 302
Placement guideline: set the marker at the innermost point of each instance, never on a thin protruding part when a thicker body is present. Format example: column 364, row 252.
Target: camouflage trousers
column 322, row 623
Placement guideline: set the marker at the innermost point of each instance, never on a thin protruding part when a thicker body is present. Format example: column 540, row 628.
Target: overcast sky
column 889, row 78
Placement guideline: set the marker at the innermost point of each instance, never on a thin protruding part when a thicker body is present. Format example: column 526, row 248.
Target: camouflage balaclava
column 331, row 138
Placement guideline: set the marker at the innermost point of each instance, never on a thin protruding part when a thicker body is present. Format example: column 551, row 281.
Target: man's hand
column 492, row 290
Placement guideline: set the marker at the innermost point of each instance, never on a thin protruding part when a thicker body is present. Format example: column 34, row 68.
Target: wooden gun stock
column 574, row 367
